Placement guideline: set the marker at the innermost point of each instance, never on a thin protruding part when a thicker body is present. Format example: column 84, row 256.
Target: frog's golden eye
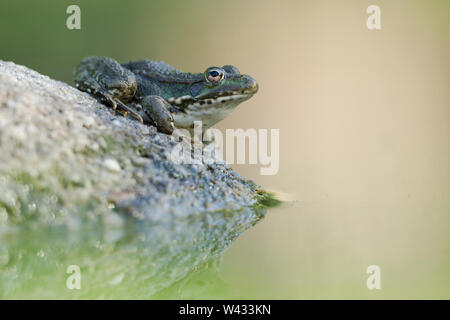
column 214, row 75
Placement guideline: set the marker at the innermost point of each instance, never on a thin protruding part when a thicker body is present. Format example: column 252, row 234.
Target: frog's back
column 161, row 71
column 160, row 78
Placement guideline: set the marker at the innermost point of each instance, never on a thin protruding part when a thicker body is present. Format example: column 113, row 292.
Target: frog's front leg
column 156, row 112
column 108, row 81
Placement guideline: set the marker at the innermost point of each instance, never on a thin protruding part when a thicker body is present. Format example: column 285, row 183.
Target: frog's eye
column 214, row 75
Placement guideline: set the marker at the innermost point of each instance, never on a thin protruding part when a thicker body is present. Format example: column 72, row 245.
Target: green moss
column 141, row 151
column 268, row 199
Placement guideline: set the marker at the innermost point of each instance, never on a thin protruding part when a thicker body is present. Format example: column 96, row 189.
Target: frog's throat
column 209, row 111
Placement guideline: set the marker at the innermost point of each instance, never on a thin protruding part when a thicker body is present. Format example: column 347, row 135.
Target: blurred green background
column 363, row 115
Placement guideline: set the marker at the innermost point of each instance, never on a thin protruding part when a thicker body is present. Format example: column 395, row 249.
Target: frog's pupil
column 214, row 73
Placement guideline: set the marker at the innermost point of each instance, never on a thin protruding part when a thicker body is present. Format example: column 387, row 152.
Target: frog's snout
column 251, row 84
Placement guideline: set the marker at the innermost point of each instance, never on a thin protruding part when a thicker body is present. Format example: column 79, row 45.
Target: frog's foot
column 157, row 110
column 116, row 104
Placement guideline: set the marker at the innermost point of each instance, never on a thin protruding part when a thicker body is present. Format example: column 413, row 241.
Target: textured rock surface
column 82, row 186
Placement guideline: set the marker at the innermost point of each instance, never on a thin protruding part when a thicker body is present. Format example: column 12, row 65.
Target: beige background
column 364, row 124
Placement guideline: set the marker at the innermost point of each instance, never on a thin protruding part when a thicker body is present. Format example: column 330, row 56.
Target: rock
column 82, row 186
column 111, row 165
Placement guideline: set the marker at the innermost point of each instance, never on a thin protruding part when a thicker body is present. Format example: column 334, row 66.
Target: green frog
column 157, row 94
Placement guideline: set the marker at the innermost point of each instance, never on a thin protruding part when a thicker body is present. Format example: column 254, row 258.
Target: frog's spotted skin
column 156, row 93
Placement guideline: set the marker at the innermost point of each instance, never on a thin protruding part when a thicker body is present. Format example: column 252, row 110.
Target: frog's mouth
column 220, row 96
column 188, row 102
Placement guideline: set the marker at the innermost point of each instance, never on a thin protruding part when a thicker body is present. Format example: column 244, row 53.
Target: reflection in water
column 134, row 261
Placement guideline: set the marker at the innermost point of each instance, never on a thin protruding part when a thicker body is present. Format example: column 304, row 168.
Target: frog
column 156, row 94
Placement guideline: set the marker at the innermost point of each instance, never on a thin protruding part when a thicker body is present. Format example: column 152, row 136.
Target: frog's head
column 216, row 93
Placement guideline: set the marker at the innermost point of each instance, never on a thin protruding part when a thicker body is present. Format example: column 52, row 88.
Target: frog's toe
column 125, row 109
column 163, row 124
column 168, row 127
column 157, row 109
column 116, row 104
